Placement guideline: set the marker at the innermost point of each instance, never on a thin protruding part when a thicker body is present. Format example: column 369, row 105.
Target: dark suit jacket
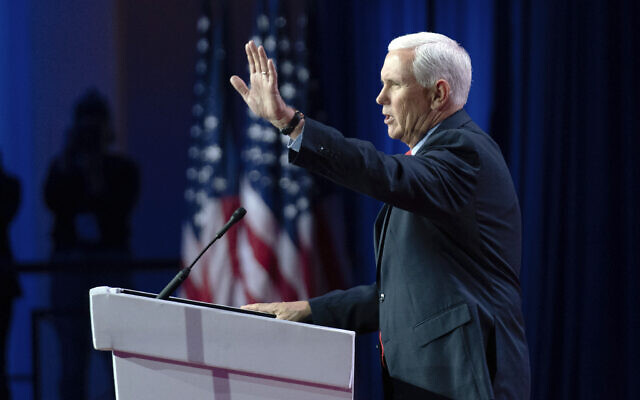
column 448, row 242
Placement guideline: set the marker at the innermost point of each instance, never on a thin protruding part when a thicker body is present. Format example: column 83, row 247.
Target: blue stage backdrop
column 555, row 83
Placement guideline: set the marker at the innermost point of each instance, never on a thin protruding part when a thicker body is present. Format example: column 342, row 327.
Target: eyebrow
column 389, row 81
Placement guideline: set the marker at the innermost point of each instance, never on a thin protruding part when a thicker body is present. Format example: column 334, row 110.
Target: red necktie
column 381, row 349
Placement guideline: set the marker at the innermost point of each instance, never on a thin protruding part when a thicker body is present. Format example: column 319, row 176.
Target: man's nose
column 382, row 98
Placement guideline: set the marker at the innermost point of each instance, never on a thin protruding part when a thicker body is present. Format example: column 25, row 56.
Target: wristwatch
column 297, row 116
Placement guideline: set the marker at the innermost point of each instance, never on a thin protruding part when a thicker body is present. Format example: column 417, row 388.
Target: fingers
column 273, row 74
column 239, row 85
column 260, row 91
column 290, row 311
column 269, row 308
column 250, row 60
column 252, row 307
column 262, row 58
column 257, row 58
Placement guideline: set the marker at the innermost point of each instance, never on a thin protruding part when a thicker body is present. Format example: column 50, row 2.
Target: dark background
column 554, row 82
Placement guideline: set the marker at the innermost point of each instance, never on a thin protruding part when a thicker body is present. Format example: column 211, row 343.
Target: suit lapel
column 381, row 225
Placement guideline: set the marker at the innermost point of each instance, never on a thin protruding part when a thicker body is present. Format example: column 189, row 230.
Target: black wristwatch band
column 297, row 116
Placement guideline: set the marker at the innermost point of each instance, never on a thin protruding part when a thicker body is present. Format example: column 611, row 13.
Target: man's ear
column 440, row 94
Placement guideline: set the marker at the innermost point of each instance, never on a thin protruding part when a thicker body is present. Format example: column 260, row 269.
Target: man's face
column 405, row 103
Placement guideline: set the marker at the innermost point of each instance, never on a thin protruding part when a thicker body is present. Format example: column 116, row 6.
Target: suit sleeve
column 355, row 309
column 438, row 181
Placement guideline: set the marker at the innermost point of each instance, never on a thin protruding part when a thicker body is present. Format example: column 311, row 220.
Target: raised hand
column 263, row 98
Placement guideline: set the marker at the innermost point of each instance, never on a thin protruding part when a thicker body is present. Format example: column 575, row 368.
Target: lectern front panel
column 142, row 378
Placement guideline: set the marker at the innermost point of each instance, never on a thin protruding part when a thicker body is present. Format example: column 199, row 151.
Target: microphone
column 184, row 273
column 235, row 217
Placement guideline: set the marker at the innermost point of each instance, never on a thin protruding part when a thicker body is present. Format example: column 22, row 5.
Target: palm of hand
column 264, row 97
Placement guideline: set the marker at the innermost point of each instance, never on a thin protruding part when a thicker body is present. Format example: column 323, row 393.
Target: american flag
column 278, row 252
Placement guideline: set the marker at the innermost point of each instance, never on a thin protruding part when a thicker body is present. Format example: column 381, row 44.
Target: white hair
column 438, row 57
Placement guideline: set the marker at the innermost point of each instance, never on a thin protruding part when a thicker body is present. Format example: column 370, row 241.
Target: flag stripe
column 268, row 260
column 273, row 254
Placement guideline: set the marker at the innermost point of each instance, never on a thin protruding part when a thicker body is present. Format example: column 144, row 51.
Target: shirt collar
column 424, row 139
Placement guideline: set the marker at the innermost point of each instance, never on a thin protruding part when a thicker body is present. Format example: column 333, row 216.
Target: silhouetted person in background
column 91, row 192
column 9, row 287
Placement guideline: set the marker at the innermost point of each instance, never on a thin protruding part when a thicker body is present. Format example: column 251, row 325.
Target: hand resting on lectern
column 290, row 311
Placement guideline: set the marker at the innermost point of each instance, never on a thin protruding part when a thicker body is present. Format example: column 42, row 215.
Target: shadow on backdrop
column 9, row 286
column 91, row 192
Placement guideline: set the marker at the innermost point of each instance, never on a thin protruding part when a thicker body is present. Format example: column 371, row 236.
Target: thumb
column 239, row 85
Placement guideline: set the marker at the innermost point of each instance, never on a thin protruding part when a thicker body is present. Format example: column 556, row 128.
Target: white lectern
column 170, row 350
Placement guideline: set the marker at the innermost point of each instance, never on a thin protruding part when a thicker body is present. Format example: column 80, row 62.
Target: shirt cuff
column 294, row 144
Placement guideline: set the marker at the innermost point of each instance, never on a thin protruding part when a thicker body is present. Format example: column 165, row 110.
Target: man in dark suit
column 447, row 298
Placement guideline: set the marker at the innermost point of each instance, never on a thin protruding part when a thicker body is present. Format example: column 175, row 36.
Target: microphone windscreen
column 239, row 213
